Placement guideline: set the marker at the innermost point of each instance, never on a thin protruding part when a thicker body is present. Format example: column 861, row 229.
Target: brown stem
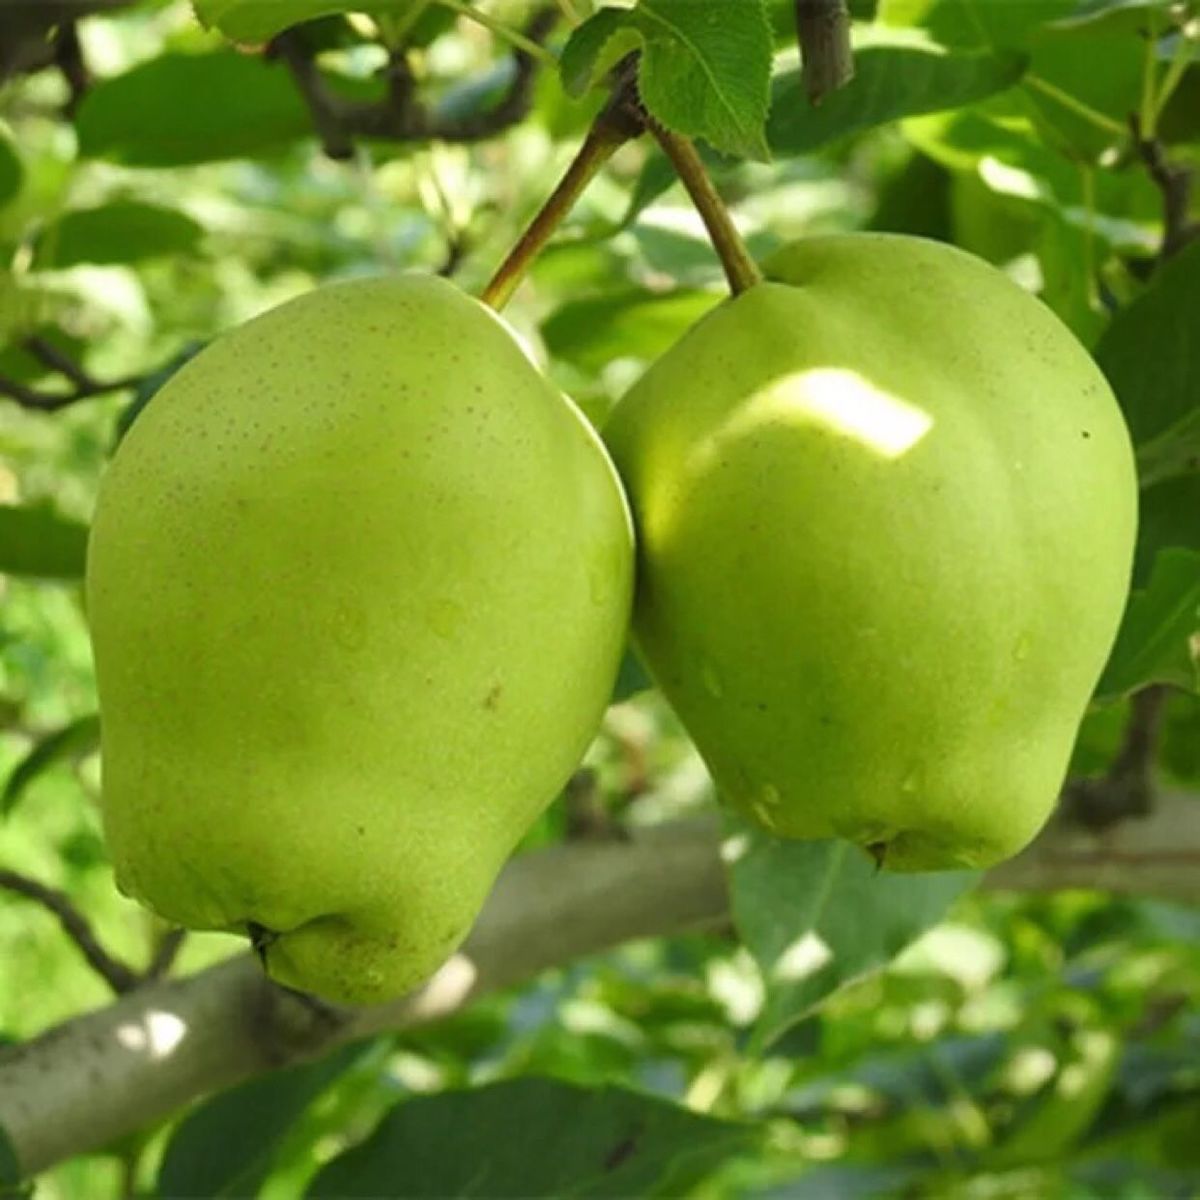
column 823, row 31
column 115, row 973
column 740, row 268
column 621, row 120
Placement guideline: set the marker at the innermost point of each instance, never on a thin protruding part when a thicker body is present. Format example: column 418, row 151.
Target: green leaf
column 151, row 115
column 122, row 232
column 1151, row 355
column 534, row 1138
column 78, row 738
column 1176, row 451
column 705, row 68
column 631, row 323
column 1159, row 641
column 818, row 915
column 258, row 20
column 890, row 81
column 1167, row 520
column 632, row 678
column 1009, row 24
column 12, row 173
column 36, row 541
column 1124, row 16
column 225, row 1146
column 10, row 1171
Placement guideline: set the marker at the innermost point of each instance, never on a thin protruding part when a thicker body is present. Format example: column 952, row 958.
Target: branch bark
column 400, row 116
column 168, row 1043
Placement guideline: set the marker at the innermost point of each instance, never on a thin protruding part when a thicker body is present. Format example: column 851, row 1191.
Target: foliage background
column 1024, row 1046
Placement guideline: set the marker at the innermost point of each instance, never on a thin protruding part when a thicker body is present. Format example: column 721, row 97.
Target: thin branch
column 165, row 954
column 1174, row 182
column 1126, row 789
column 120, row 977
column 823, row 31
column 39, row 401
column 68, row 57
column 740, row 268
column 400, row 116
column 51, row 356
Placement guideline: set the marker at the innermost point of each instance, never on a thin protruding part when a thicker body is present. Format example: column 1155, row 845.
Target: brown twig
column 400, row 116
column 84, row 386
column 740, row 269
column 164, row 955
column 68, row 57
column 588, row 816
column 1126, row 789
column 120, row 977
column 1174, row 182
column 823, row 31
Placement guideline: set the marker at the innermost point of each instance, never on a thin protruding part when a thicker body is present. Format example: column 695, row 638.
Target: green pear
column 886, row 508
column 358, row 585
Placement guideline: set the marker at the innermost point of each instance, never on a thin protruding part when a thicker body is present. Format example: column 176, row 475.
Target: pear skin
column 358, row 585
column 886, row 509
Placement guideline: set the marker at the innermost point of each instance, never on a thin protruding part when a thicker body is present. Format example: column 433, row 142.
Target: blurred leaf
column 631, row 678
column 258, row 20
column 632, row 323
column 11, row 171
column 1100, row 72
column 1167, row 519
column 890, row 81
column 150, row 116
column 534, row 1138
column 1054, row 1120
column 1009, row 24
column 818, row 915
column 35, row 540
column 225, row 1146
column 705, row 69
column 918, row 199
column 1125, row 16
column 848, row 1181
column 1174, row 452
column 10, row 1172
column 73, row 740
column 1151, row 355
column 122, row 232
column 1159, row 641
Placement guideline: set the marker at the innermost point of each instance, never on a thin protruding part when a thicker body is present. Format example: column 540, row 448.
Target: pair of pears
column 360, row 578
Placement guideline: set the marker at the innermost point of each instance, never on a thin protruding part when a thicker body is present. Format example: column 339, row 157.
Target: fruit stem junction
column 740, row 269
column 621, row 120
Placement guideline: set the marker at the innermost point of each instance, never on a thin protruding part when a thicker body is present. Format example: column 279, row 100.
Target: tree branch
column 83, row 385
column 165, row 1044
column 400, row 116
column 118, row 976
column 823, row 31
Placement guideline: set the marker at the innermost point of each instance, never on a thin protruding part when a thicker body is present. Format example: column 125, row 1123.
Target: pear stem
column 621, row 120
column 740, row 269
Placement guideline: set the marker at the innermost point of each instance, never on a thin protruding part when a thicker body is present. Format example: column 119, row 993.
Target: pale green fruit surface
column 358, row 584
column 886, row 509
